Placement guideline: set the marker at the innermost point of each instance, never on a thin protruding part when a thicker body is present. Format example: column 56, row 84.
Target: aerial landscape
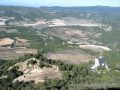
column 59, row 47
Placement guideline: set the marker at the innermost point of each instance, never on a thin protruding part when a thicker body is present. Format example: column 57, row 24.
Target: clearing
column 70, row 56
column 6, row 41
column 95, row 47
column 35, row 73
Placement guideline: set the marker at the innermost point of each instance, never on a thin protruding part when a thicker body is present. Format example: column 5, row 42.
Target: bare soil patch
column 35, row 73
column 6, row 41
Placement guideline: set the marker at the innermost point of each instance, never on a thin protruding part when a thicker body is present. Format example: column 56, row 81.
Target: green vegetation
column 42, row 64
column 36, row 41
column 110, row 37
column 113, row 57
column 75, row 77
column 32, row 62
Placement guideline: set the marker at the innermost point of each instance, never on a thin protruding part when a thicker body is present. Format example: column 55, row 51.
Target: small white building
column 99, row 62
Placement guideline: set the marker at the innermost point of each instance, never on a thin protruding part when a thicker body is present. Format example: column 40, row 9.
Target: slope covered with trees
column 75, row 77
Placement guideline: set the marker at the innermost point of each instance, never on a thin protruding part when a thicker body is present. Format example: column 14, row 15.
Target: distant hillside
column 27, row 12
column 89, row 9
column 50, row 12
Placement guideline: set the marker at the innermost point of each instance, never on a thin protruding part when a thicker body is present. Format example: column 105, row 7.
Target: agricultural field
column 14, row 53
column 75, row 56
